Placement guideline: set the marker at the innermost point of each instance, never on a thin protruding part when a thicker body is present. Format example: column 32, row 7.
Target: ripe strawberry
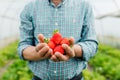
column 57, row 37
column 59, row 49
column 51, row 44
column 51, row 39
column 65, row 41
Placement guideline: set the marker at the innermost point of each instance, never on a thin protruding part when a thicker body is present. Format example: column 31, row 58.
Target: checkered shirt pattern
column 71, row 18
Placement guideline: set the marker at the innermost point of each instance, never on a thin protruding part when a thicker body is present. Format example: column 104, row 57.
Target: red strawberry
column 59, row 48
column 57, row 37
column 51, row 44
column 51, row 39
column 65, row 41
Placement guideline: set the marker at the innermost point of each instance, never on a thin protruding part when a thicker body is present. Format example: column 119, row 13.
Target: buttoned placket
column 56, row 17
column 56, row 24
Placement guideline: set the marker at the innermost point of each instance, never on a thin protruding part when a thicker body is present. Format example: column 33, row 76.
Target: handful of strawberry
column 56, row 41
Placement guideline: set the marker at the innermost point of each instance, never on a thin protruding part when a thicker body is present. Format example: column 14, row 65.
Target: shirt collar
column 52, row 4
column 50, row 0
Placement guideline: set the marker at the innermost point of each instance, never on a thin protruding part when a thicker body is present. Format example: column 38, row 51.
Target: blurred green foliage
column 107, row 62
column 17, row 71
column 105, row 65
column 8, row 53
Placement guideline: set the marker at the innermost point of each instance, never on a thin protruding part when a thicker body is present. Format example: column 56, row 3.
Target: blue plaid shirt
column 72, row 18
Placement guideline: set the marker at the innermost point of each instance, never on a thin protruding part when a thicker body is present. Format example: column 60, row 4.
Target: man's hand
column 69, row 53
column 39, row 52
column 44, row 51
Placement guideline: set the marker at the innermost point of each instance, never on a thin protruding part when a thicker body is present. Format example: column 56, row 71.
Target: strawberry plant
column 8, row 53
column 17, row 71
column 106, row 62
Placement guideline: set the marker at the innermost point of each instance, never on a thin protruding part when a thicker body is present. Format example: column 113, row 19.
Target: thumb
column 41, row 38
column 71, row 40
column 68, row 50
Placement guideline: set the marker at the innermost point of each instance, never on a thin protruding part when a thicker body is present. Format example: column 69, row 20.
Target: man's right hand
column 43, row 51
column 39, row 52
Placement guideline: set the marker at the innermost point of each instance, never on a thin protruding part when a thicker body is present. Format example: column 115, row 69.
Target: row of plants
column 114, row 52
column 8, row 53
column 105, row 64
column 91, row 75
column 17, row 71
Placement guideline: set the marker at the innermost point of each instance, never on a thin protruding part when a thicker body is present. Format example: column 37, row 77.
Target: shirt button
column 56, row 24
column 55, row 72
column 56, row 9
column 74, row 20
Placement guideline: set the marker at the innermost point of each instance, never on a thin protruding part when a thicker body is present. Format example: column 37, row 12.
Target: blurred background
column 106, row 61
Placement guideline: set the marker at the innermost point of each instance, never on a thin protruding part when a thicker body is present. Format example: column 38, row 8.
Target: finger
column 61, row 57
column 41, row 38
column 48, row 54
column 51, row 52
column 43, row 51
column 71, row 40
column 54, row 58
column 40, row 46
column 69, row 51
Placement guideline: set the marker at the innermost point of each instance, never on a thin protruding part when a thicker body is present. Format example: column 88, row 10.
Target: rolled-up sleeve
column 88, row 42
column 26, row 29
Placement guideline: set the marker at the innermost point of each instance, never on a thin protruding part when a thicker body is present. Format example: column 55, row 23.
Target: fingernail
column 47, row 46
column 64, row 45
column 56, row 53
column 51, row 50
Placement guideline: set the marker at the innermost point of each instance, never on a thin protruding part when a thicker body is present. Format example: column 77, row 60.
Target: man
column 73, row 18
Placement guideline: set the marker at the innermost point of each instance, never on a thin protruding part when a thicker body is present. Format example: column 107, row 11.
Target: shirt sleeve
column 88, row 42
column 26, row 29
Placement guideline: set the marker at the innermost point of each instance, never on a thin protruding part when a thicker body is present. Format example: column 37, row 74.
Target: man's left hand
column 69, row 53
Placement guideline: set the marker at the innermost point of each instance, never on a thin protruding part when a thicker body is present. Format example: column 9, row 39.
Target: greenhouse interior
column 105, row 65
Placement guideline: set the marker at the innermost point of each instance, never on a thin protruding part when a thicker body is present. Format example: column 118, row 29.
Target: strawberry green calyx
column 46, row 40
column 55, row 31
